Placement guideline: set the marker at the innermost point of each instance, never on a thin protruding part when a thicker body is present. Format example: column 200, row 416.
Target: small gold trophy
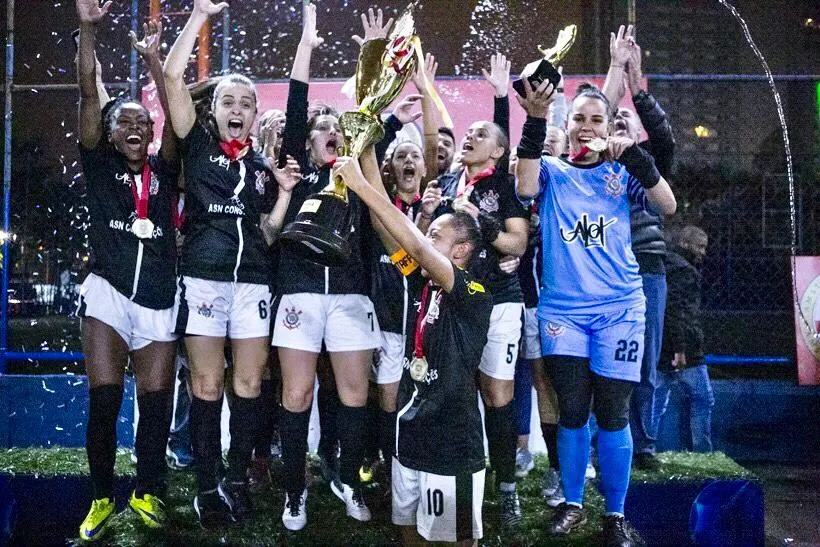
column 319, row 232
column 544, row 69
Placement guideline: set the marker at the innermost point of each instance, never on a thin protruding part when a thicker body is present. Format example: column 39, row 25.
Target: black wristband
column 533, row 136
column 640, row 164
column 490, row 227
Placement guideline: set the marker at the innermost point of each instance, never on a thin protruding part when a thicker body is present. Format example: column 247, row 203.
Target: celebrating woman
column 224, row 269
column 591, row 305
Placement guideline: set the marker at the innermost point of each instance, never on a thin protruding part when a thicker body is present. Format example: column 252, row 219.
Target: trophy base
column 543, row 71
column 318, row 232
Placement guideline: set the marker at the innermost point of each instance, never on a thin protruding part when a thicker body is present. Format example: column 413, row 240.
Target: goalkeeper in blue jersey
column 591, row 306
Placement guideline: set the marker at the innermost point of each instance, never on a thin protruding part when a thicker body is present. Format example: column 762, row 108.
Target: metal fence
column 729, row 175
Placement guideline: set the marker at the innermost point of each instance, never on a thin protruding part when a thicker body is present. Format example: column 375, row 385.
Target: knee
column 612, row 423
column 296, row 399
column 573, row 420
column 247, row 385
column 496, row 393
column 207, row 387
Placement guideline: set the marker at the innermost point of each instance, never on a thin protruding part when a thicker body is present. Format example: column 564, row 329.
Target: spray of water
column 785, row 130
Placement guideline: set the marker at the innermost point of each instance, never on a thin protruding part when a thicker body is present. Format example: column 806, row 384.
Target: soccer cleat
column 294, row 517
column 524, row 462
column 150, row 508
column 212, row 508
column 565, row 519
column 178, row 459
column 510, row 509
column 353, row 499
column 97, row 519
column 239, row 499
column 617, row 532
column 551, row 488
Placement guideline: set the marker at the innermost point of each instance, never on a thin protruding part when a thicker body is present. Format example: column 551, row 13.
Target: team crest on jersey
column 153, row 188
column 555, row 330
column 221, row 160
column 292, row 320
column 590, row 232
column 614, row 187
column 262, row 179
column 205, row 310
column 489, row 202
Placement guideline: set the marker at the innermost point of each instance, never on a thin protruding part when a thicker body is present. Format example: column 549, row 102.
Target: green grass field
column 327, row 523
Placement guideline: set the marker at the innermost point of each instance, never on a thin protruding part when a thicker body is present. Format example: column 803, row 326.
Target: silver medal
column 142, row 228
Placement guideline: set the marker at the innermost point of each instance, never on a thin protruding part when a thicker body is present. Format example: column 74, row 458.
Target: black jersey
column 140, row 269
column 295, row 274
column 224, row 200
column 494, row 195
column 438, row 423
column 532, row 263
column 388, row 287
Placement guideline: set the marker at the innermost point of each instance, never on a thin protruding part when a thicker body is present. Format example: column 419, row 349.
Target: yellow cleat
column 95, row 523
column 366, row 473
column 150, row 508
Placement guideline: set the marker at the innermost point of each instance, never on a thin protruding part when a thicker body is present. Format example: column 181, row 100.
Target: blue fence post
column 4, row 299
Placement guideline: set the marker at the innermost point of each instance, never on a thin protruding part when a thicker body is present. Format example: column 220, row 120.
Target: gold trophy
column 319, row 232
column 544, row 69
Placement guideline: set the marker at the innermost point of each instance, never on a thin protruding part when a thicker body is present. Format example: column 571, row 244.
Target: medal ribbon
column 404, row 207
column 421, row 321
column 141, row 201
column 481, row 175
column 235, row 149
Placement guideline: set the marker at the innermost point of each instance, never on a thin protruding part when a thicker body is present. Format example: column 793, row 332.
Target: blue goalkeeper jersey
column 589, row 266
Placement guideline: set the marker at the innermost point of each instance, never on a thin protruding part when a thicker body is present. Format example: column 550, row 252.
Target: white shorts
column 346, row 322
column 219, row 308
column 137, row 325
column 531, row 342
column 388, row 359
column 442, row 507
column 501, row 352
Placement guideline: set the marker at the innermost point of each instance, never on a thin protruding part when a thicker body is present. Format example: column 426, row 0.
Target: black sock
column 206, row 440
column 267, row 408
column 101, row 437
column 328, row 406
column 501, row 438
column 245, row 418
column 371, row 431
column 387, row 439
column 294, row 430
column 152, row 436
column 550, row 432
column 350, row 425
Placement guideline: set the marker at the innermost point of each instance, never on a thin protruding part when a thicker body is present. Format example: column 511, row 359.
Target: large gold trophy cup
column 319, row 232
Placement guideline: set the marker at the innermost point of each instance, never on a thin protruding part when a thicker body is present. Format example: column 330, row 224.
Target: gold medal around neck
column 418, row 369
column 142, row 228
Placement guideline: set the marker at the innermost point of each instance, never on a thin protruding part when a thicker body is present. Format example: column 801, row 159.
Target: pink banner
column 467, row 101
column 807, row 319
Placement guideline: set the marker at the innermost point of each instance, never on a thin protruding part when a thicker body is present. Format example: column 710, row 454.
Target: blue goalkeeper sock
column 615, row 461
column 573, row 454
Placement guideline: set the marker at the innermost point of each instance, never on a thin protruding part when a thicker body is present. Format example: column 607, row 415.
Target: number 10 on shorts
column 435, row 502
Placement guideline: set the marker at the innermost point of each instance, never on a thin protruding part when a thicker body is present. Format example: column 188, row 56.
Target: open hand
column 499, row 74
column 310, row 36
column 209, row 8
column 288, row 176
column 431, row 198
column 90, row 11
column 148, row 47
column 621, row 45
column 425, row 73
column 633, row 70
column 403, row 110
column 373, row 27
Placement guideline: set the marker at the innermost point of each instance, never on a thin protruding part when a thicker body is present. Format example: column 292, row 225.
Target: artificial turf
column 327, row 523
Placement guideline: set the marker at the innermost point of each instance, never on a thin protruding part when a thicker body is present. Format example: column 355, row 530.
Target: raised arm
column 148, row 48
column 310, row 40
column 558, row 108
column 620, row 50
column 401, row 228
column 423, row 78
column 183, row 115
column 536, row 105
column 499, row 78
column 370, row 170
column 91, row 126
